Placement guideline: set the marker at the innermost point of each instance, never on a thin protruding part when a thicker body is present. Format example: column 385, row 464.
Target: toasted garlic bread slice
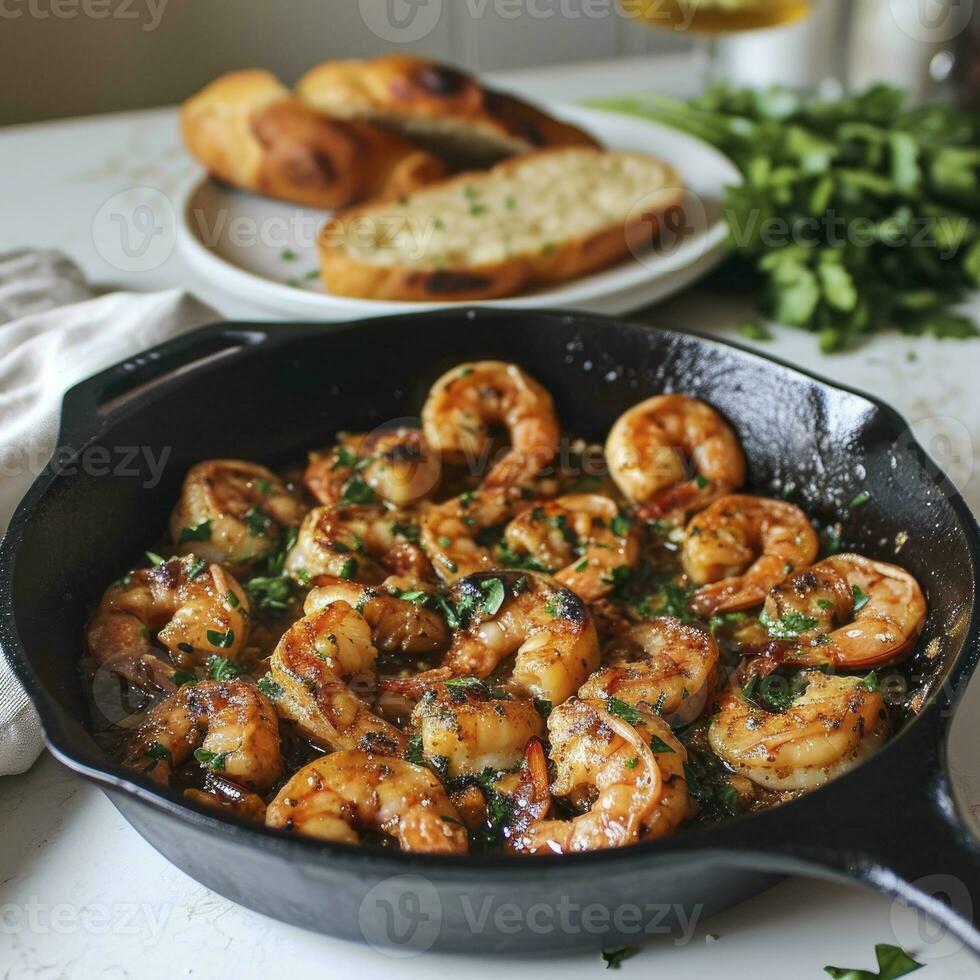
column 440, row 108
column 530, row 221
column 246, row 128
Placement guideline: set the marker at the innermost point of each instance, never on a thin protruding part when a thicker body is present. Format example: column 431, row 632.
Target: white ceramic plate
column 263, row 251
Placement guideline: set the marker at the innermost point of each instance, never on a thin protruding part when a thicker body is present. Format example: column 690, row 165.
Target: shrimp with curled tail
column 353, row 541
column 190, row 609
column 850, row 612
column 740, row 547
column 395, row 465
column 313, row 667
column 651, row 447
column 468, row 400
column 451, row 531
column 232, row 511
column 582, row 538
column 826, row 730
column 548, row 629
column 342, row 795
column 397, row 624
column 663, row 665
column 230, row 727
column 627, row 777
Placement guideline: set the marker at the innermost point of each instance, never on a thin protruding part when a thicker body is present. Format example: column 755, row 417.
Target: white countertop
column 81, row 895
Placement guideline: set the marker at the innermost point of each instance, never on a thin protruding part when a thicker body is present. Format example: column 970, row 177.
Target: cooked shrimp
column 230, row 727
column 880, row 607
column 473, row 726
column 827, row 730
column 232, row 511
column 228, row 797
column 340, row 796
column 189, row 608
column 396, row 465
column 582, row 538
column 743, row 546
column 548, row 628
column 663, row 664
column 350, row 541
column 313, row 666
column 451, row 531
column 628, row 776
column 651, row 448
column 471, row 398
column 396, row 623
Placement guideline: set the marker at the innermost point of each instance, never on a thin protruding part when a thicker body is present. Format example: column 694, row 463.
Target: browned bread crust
column 410, row 274
column 246, row 128
column 439, row 107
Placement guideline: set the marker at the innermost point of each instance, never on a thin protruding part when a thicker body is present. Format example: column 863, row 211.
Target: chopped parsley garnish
column 258, row 522
column 222, row 640
column 154, row 558
column 182, row 677
column 408, row 531
column 625, row 711
column 615, row 956
column 444, row 542
column 701, row 481
column 349, row 569
column 200, row 532
column 659, row 747
column 211, row 760
column 871, row 681
column 270, row 593
column 620, row 525
column 357, row 491
column 861, row 598
column 196, row 569
column 893, row 962
column 413, row 751
column 269, row 687
column 223, row 669
column 231, row 600
column 159, row 753
column 582, row 565
column 543, row 707
column 494, row 594
column 860, row 499
column 789, row 626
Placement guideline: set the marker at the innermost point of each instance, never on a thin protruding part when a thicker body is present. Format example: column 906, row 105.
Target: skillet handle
column 88, row 404
column 892, row 824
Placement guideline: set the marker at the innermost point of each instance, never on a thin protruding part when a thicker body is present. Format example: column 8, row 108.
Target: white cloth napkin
column 53, row 333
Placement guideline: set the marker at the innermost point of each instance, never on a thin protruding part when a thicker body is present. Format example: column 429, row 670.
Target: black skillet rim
column 724, row 839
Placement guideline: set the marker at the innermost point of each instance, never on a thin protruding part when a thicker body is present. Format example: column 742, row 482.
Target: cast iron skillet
column 269, row 393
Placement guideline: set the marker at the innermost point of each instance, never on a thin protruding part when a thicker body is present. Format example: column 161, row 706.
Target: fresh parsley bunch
column 854, row 214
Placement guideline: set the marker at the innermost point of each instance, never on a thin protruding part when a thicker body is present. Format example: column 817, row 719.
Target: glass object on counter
column 710, row 19
column 715, row 16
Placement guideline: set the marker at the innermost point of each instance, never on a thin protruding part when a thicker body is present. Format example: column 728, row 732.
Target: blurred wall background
column 75, row 57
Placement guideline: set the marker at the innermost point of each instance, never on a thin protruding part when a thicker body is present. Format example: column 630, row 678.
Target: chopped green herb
column 620, row 525
column 825, row 603
column 754, row 330
column 211, row 760
column 159, row 753
column 232, row 600
column 494, row 594
column 543, row 707
column 582, row 565
column 200, row 532
column 408, row 531
column 288, row 255
column 357, row 491
column 222, row 640
column 258, row 522
column 789, row 626
column 631, row 763
column 893, row 962
column 223, row 669
column 701, row 481
column 659, row 747
column 860, row 499
column 614, row 957
column 871, row 681
column 269, row 687
column 196, row 569
column 444, row 541
column 349, row 569
column 622, row 710
column 154, row 558
column 861, row 598
column 182, row 677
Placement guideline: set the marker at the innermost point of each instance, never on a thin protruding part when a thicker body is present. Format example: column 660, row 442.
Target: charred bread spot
column 440, row 80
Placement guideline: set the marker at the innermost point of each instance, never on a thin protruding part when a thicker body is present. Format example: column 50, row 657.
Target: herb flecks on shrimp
column 469, row 635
